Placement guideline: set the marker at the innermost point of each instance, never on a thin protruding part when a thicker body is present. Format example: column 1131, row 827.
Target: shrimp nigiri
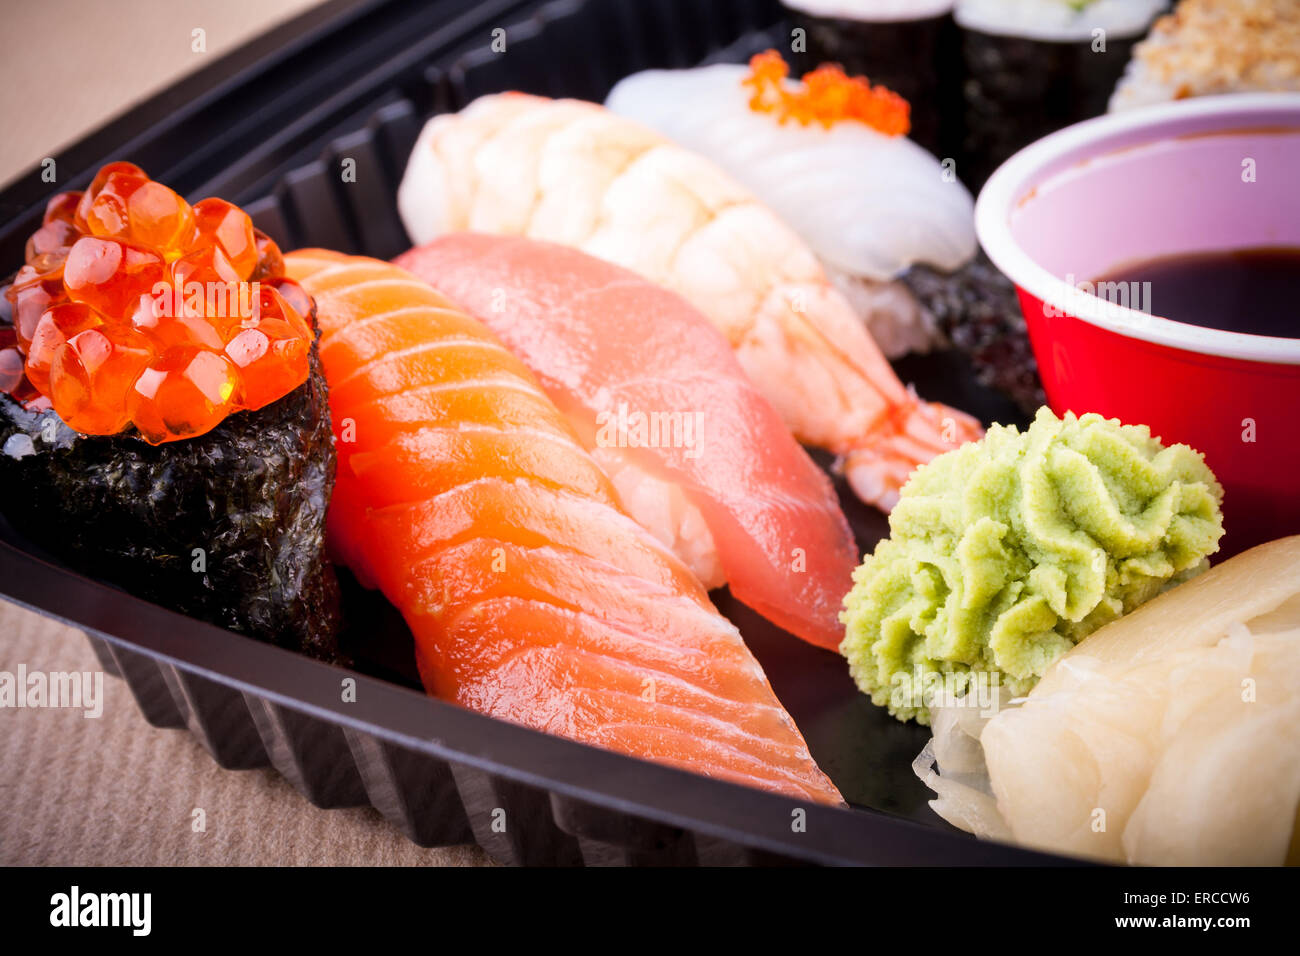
column 575, row 173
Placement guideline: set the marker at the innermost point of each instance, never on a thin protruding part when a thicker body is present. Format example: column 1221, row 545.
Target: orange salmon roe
column 827, row 96
column 135, row 308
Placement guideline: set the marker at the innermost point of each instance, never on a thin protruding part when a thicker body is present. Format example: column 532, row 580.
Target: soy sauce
column 1253, row 290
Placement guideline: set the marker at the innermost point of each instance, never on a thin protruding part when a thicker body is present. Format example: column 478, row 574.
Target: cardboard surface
column 112, row 790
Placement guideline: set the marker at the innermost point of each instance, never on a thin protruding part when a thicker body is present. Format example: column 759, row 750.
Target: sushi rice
column 1057, row 20
column 872, row 10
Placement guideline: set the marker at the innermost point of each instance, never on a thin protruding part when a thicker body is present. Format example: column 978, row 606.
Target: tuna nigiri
column 465, row 497
column 575, row 173
column 656, row 395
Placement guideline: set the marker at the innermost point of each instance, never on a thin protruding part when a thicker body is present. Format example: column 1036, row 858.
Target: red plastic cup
column 1216, row 173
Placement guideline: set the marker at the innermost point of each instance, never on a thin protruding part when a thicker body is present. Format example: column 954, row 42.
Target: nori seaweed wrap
column 1035, row 66
column 977, row 310
column 250, row 494
column 164, row 422
column 909, row 46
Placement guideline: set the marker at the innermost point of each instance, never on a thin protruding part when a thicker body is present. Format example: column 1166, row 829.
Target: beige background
column 69, row 66
column 114, row 790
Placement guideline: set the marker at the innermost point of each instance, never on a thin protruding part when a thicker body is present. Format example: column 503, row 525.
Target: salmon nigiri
column 575, row 173
column 466, row 498
column 656, row 395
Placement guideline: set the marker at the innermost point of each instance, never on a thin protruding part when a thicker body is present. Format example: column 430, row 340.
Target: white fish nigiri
column 869, row 205
column 1175, row 726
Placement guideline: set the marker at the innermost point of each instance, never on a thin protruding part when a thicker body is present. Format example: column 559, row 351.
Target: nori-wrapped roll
column 1034, row 66
column 909, row 46
column 227, row 527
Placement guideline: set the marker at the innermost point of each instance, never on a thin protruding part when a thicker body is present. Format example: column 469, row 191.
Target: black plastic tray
column 268, row 127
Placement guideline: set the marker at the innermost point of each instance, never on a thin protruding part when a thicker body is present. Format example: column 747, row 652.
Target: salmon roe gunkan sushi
column 135, row 308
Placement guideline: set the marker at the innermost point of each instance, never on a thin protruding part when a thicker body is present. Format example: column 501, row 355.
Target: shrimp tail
column 878, row 466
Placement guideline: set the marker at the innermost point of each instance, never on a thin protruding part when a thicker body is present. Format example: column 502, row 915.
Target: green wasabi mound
column 1006, row 552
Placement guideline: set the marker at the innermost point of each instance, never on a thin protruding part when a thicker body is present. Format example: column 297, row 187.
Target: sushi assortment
column 891, row 225
column 585, row 398
column 576, row 173
column 985, row 77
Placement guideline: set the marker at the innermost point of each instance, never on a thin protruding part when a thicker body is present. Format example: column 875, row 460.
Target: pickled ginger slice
column 1165, row 738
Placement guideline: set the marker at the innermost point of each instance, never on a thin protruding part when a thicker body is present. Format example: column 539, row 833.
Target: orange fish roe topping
column 827, row 95
column 135, row 308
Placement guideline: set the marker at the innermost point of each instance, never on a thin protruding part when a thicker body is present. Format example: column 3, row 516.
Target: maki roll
column 1034, row 66
column 1215, row 46
column 164, row 423
column 909, row 46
